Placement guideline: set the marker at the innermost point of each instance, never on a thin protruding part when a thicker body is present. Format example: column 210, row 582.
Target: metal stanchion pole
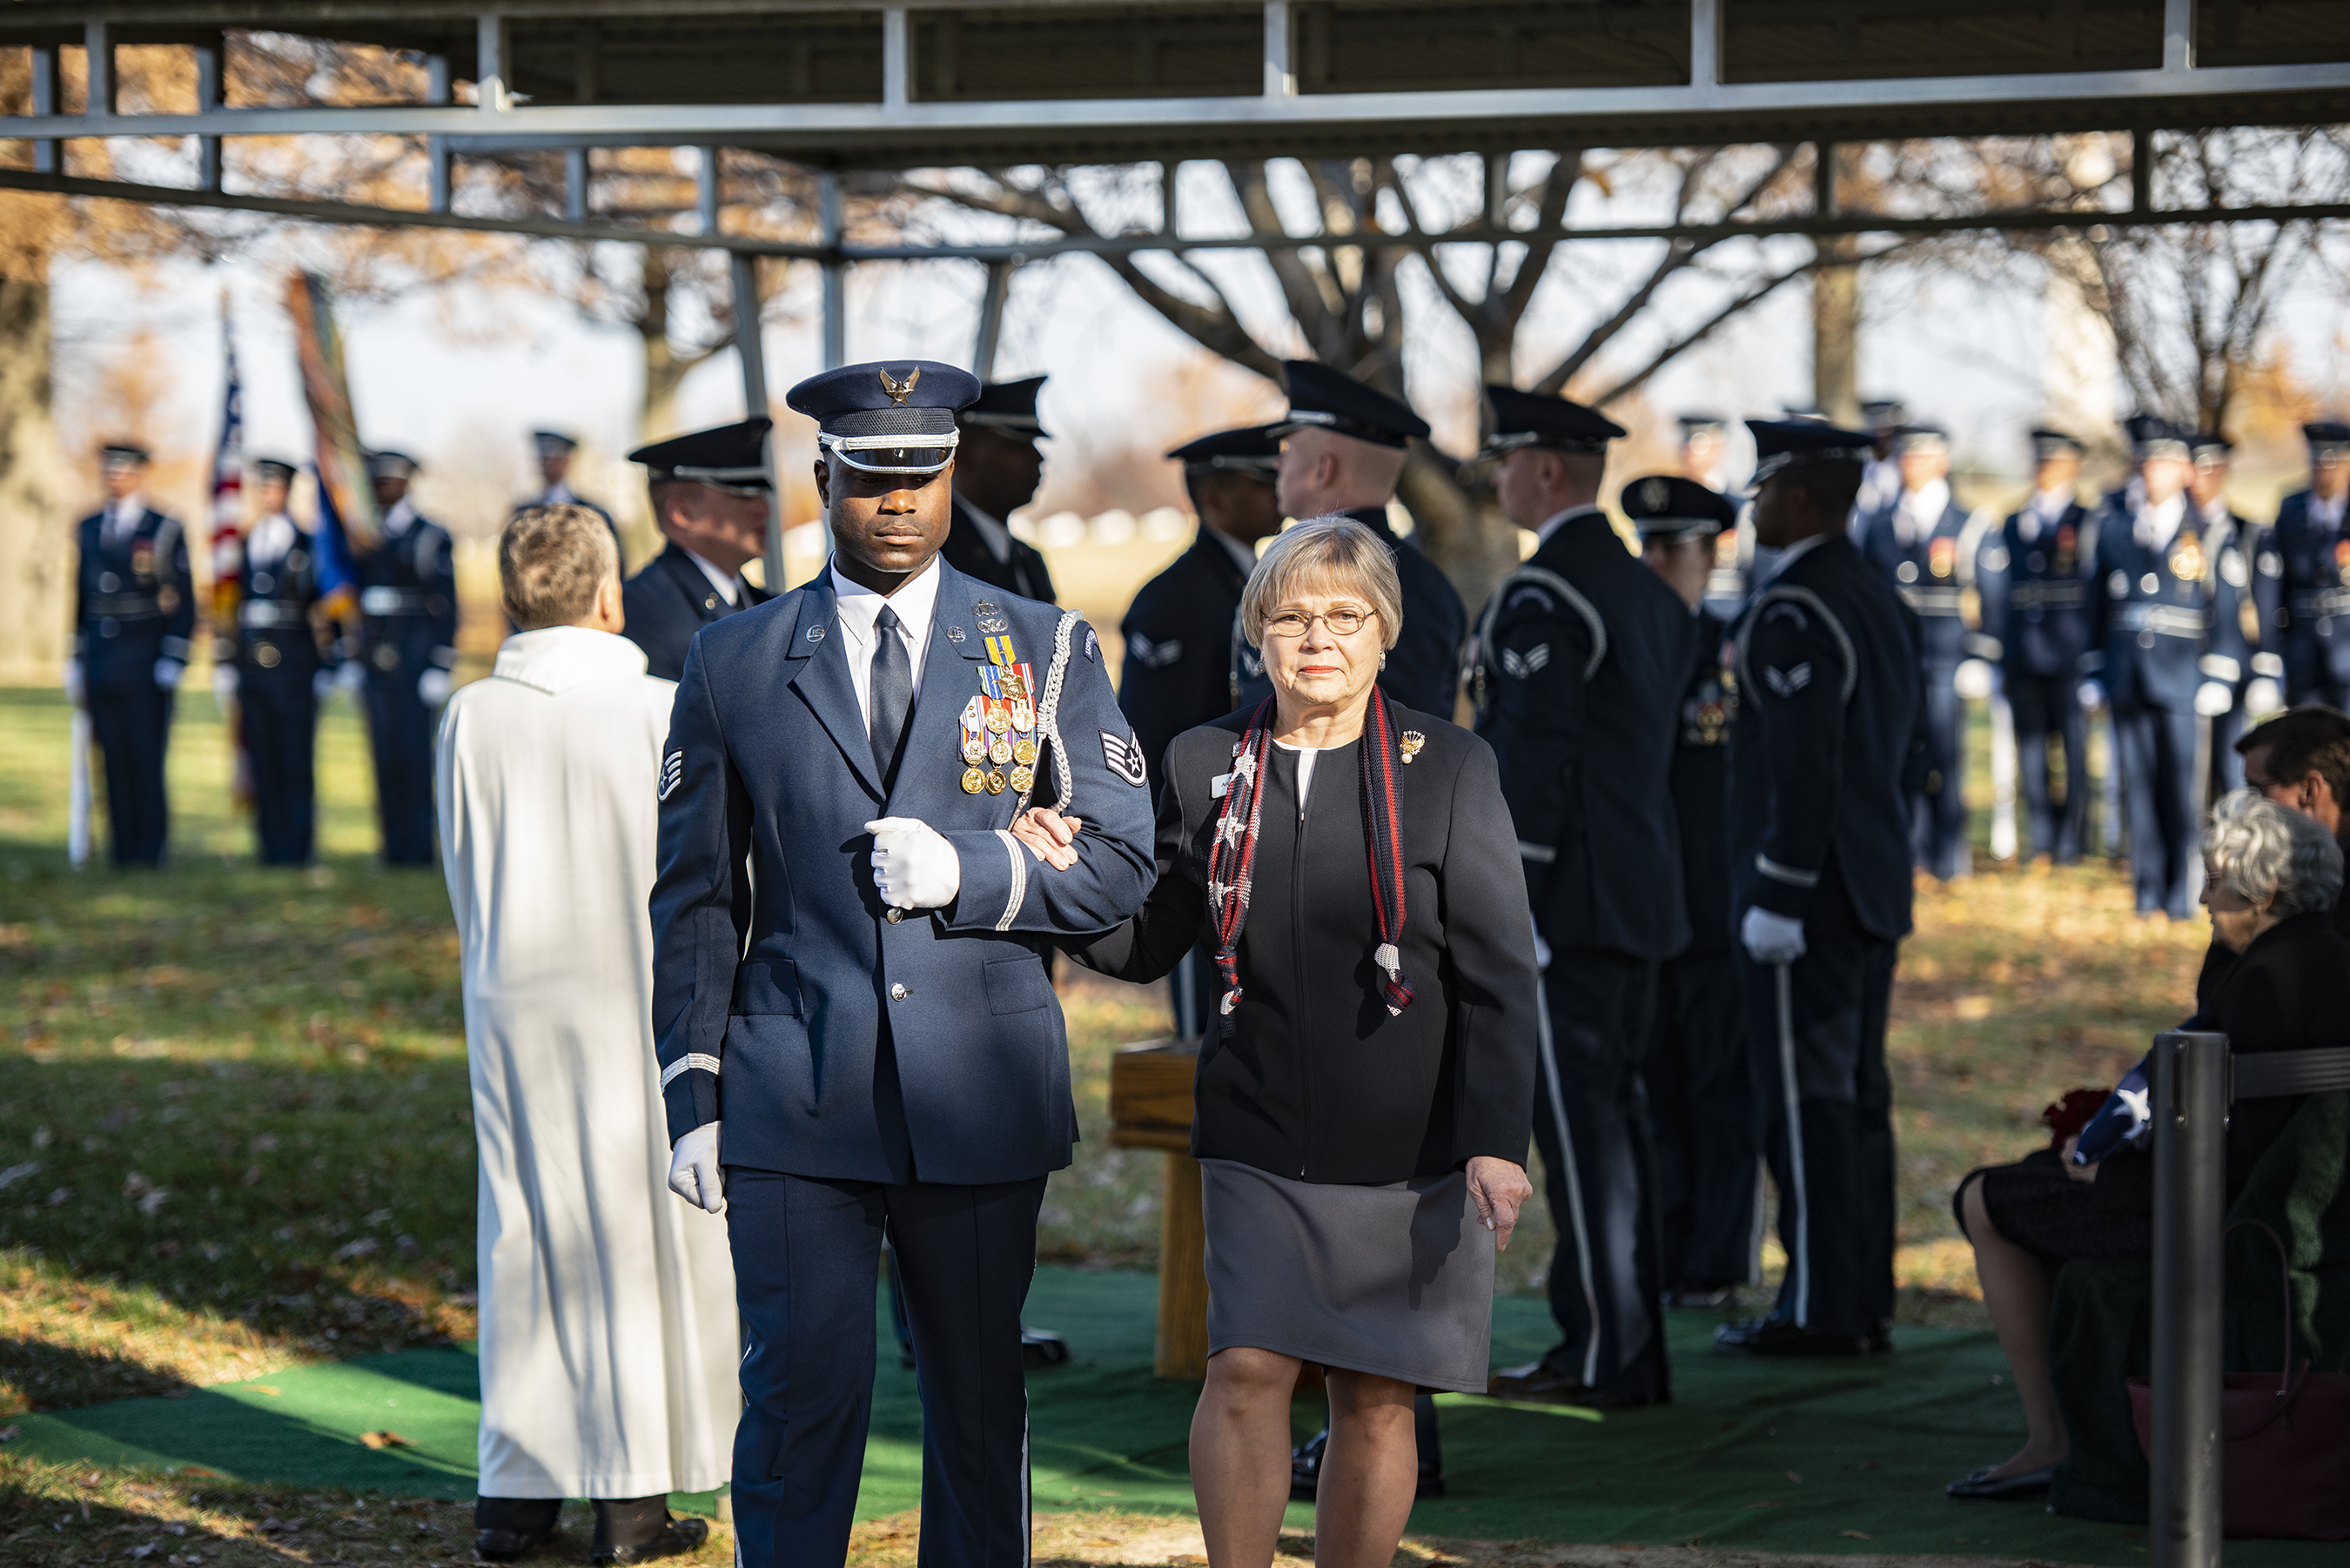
column 2191, row 1123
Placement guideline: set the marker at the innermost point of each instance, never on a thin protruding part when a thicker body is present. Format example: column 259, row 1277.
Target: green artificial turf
column 1816, row 1456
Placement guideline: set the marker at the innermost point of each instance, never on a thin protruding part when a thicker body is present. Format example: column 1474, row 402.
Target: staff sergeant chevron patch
column 672, row 773
column 1124, row 757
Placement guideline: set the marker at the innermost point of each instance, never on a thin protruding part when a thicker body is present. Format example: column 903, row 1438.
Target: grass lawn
column 234, row 1130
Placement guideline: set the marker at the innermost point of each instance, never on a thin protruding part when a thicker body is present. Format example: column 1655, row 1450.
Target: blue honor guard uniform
column 2311, row 608
column 676, row 594
column 281, row 675
column 408, row 643
column 879, row 1068
column 1825, row 751
column 134, row 610
column 982, row 545
column 1579, row 667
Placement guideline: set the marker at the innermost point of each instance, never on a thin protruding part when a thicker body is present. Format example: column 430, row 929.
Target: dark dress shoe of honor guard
column 1982, row 1485
column 1539, row 1383
column 1042, row 1347
column 640, row 1530
column 1305, row 1471
column 1699, row 1298
column 508, row 1528
column 1777, row 1335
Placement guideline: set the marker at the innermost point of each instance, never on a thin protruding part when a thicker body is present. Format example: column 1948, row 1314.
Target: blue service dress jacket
column 2034, row 578
column 135, row 601
column 2308, row 584
column 834, row 1042
column 2164, row 620
column 1931, row 576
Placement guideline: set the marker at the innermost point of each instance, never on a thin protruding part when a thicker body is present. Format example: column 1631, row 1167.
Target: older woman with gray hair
column 2271, row 879
column 1365, row 1097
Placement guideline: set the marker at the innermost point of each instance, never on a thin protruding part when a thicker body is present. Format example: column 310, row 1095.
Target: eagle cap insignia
column 899, row 390
column 1654, row 494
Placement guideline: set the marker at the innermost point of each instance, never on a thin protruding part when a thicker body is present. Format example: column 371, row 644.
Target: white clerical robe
column 609, row 1330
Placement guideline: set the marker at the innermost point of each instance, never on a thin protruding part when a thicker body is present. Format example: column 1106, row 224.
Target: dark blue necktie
column 892, row 694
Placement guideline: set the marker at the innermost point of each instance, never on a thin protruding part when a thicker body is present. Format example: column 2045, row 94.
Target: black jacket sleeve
column 1538, row 662
column 1798, row 674
column 1148, row 946
column 178, row 588
column 1490, row 944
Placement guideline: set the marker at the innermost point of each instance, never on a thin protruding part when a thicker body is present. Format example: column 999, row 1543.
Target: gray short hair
column 551, row 561
column 2273, row 856
column 1334, row 553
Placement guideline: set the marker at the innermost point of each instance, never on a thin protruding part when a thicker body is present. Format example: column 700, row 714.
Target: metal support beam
column 1280, row 40
column 750, row 350
column 2177, row 35
column 1824, row 180
column 991, row 300
column 705, row 190
column 2191, row 1130
column 1705, row 45
column 574, row 185
column 98, row 42
column 1170, row 177
column 209, row 58
column 896, row 64
column 440, row 87
column 491, row 68
column 836, row 271
column 48, row 155
column 2141, row 171
column 1497, row 190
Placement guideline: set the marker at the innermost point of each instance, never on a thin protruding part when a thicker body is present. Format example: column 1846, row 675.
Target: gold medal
column 995, row 781
column 1024, row 751
column 975, row 750
column 2186, row 561
column 1023, row 778
column 974, row 780
column 999, row 750
column 997, row 721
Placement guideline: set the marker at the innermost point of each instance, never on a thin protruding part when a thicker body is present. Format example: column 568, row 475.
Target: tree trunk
column 1461, row 530
column 1835, row 334
column 35, row 607
column 665, row 368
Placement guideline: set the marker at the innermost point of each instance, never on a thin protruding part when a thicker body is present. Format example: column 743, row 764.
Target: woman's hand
column 1049, row 835
column 2077, row 1172
column 1498, row 1188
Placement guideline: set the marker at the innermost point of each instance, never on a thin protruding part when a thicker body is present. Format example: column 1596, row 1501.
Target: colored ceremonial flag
column 228, row 556
column 347, row 510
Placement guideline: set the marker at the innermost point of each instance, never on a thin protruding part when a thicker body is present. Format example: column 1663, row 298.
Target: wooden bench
column 1150, row 1108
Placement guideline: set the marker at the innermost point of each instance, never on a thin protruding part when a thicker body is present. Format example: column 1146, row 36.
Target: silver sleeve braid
column 1048, row 713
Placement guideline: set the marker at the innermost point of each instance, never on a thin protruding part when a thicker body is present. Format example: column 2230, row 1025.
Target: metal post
column 438, row 89
column 1280, row 67
column 98, row 42
column 1170, row 174
column 835, row 272
column 1497, row 190
column 47, row 159
column 2141, row 171
column 489, row 65
column 749, row 348
column 895, row 64
column 991, row 317
column 574, row 185
column 705, row 190
column 210, row 59
column 1824, row 180
column 1705, row 44
column 2190, row 1125
column 2177, row 35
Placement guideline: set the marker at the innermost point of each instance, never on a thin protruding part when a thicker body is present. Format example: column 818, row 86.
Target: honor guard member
column 2313, row 548
column 1919, row 542
column 1578, row 665
column 1178, row 671
column 2208, row 456
column 997, row 470
column 2166, row 643
column 2034, row 574
column 1700, row 1090
column 1342, row 453
column 711, row 494
column 134, row 610
column 1704, row 449
column 407, row 637
column 1823, row 750
column 281, row 673
column 849, row 980
column 1881, row 483
column 555, row 452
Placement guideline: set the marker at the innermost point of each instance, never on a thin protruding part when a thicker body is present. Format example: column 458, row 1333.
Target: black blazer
column 1021, row 572
column 1178, row 671
column 1312, row 1078
column 668, row 602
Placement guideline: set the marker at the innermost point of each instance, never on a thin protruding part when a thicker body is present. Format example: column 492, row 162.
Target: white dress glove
column 2214, row 698
column 2262, row 696
column 73, row 682
column 914, row 865
column 1974, row 679
column 351, row 677
column 1771, row 939
column 432, row 687
column 2093, row 696
column 322, row 686
column 693, row 1170
column 166, row 674
column 224, row 684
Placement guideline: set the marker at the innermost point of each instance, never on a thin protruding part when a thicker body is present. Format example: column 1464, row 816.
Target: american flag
column 228, row 553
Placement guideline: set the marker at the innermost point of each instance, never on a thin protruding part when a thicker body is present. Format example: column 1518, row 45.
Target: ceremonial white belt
column 391, row 601
column 2170, row 620
column 268, row 613
column 2323, row 602
column 1932, row 601
column 2051, row 595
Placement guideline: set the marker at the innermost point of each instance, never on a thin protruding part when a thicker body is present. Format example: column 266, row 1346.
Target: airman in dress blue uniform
column 134, row 610
column 850, row 1002
column 2034, row 574
column 1579, row 664
column 2167, row 643
column 2257, row 690
column 408, row 643
column 1700, row 1089
column 1824, row 753
column 1919, row 542
column 711, row 496
column 2312, row 592
column 282, row 672
column 554, row 452
column 997, row 470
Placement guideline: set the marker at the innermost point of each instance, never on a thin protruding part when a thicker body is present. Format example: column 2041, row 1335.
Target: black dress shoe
column 1305, row 1472
column 1984, row 1487
column 1539, row 1383
column 507, row 1527
column 677, row 1537
column 1699, row 1298
column 1880, row 1338
column 507, row 1545
column 1776, row 1336
column 1042, row 1347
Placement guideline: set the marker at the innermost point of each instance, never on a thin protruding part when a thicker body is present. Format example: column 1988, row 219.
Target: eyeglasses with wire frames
column 1344, row 621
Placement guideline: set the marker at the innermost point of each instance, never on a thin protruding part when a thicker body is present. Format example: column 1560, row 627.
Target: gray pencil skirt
column 1394, row 1281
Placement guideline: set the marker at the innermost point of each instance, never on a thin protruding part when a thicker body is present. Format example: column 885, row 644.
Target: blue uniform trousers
column 1708, row 1129
column 1938, row 817
column 807, row 1251
column 1816, row 1029
column 2161, row 797
column 2046, row 706
column 280, row 740
column 132, row 725
column 400, row 733
column 1591, row 1123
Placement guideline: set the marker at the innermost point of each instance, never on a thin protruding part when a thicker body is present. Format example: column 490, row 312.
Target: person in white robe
column 607, row 1321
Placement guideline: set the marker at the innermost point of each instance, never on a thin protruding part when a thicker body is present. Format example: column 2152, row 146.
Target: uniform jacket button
column 898, row 994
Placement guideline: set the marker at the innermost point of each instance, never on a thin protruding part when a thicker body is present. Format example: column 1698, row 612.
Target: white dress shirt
column 1921, row 509
column 2045, row 510
column 272, row 537
column 2155, row 526
column 122, row 520
column 728, row 584
column 399, row 519
column 556, row 494
column 858, row 606
column 2327, row 514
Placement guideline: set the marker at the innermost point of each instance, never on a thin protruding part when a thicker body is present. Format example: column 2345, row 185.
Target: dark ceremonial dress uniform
column 668, row 601
column 1927, row 571
column 1423, row 669
column 2036, row 581
column 1828, row 663
column 2312, row 593
column 278, row 664
column 2165, row 622
column 408, row 624
column 135, row 606
column 972, row 549
column 898, row 1070
column 1700, row 1088
column 1583, row 657
column 2237, row 670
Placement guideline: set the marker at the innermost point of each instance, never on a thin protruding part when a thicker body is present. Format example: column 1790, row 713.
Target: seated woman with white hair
column 2271, row 879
